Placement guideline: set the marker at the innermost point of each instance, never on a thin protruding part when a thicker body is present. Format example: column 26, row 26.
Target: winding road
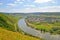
column 47, row 36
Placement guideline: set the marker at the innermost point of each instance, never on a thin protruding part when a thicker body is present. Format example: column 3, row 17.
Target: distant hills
column 34, row 13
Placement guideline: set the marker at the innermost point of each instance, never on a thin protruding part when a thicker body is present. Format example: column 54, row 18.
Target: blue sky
column 29, row 5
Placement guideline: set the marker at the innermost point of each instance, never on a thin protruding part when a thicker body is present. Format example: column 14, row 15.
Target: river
column 47, row 36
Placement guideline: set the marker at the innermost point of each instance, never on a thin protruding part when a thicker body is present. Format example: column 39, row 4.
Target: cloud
column 18, row 0
column 29, row 5
column 42, row 1
column 50, row 7
column 41, row 9
column 15, row 3
column 1, row 3
column 11, row 4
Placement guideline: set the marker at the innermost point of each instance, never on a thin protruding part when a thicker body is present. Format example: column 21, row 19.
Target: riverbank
column 46, row 36
column 43, row 26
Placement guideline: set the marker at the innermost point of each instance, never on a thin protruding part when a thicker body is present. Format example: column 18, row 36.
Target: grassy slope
column 9, row 22
column 9, row 35
column 6, row 22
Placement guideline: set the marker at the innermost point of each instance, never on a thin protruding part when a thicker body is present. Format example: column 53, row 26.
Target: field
column 45, row 23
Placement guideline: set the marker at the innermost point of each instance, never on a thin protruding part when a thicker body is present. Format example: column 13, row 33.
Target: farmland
column 45, row 23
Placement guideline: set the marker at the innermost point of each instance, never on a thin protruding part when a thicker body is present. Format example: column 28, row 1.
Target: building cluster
column 43, row 19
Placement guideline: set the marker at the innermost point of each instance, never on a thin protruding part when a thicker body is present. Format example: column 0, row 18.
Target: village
column 43, row 19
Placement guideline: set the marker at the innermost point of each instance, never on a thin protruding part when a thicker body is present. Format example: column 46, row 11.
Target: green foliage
column 5, row 24
column 9, row 35
column 51, row 27
column 9, row 22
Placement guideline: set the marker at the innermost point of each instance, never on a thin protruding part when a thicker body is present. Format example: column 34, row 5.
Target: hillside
column 9, row 29
column 9, row 35
column 9, row 22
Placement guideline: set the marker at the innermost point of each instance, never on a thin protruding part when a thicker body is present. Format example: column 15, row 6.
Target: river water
column 47, row 36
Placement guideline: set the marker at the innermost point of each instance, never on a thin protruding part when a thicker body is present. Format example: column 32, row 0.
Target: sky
column 29, row 6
